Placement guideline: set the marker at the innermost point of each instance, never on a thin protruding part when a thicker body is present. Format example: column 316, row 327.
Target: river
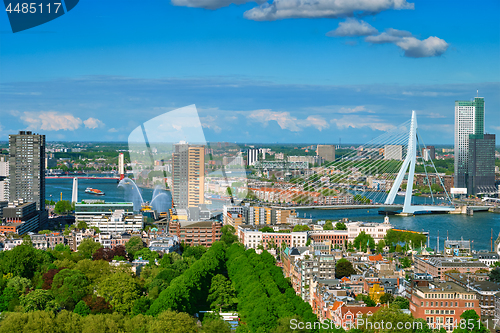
column 477, row 228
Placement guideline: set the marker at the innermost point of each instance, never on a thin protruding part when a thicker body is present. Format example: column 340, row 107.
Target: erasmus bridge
column 374, row 174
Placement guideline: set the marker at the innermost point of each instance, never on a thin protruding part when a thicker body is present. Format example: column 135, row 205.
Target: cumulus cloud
column 356, row 109
column 211, row 122
column 285, row 9
column 412, row 47
column 112, row 130
column 212, row 4
column 287, row 121
column 50, row 121
column 355, row 121
column 93, row 123
column 352, row 27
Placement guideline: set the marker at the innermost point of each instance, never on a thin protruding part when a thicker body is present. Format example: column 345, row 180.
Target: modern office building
column 196, row 233
column 481, row 164
column 27, row 168
column 327, row 152
column 393, row 152
column 20, row 217
column 252, row 156
column 85, row 212
column 4, row 178
column 429, row 153
column 469, row 119
column 188, row 175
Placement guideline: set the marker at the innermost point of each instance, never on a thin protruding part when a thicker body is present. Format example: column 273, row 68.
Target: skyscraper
column 252, row 156
column 27, row 168
column 481, row 168
column 188, row 175
column 4, row 178
column 469, row 119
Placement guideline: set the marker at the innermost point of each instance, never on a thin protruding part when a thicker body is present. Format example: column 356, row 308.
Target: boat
column 401, row 193
column 91, row 190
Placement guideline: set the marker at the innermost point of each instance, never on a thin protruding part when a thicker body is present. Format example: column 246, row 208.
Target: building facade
column 252, row 156
column 188, row 175
column 27, row 168
column 481, row 164
column 4, row 174
column 469, row 119
column 196, row 233
column 326, row 152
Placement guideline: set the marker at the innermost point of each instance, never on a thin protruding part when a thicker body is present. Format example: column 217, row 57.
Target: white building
column 118, row 222
column 376, row 230
column 252, row 238
column 469, row 119
column 393, row 152
column 252, row 156
column 4, row 185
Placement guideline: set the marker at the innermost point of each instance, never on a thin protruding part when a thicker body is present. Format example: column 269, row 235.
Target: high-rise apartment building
column 481, row 168
column 4, row 178
column 252, row 156
column 469, row 119
column 327, row 152
column 393, row 152
column 188, row 175
column 27, row 168
column 429, row 153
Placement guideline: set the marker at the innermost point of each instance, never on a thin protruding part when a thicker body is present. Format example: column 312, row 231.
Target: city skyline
column 349, row 72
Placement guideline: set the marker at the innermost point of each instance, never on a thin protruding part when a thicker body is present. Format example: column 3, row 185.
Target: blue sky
column 277, row 71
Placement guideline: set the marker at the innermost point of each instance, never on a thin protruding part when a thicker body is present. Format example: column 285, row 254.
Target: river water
column 477, row 228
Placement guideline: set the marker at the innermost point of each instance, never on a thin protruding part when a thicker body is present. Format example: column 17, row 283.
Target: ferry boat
column 93, row 191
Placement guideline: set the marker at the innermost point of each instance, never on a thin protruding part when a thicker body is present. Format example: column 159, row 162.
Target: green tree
column 471, row 323
column 401, row 302
column 344, row 267
column 173, row 322
column 36, row 300
column 386, row 298
column 24, row 261
column 221, row 294
column 88, row 247
column 82, row 225
column 64, row 207
column 495, row 275
column 82, row 309
column 380, row 246
column 340, row 226
column 367, row 299
column 300, row 227
column 69, row 287
column 228, row 234
column 328, row 225
column 267, row 229
column 363, row 240
column 134, row 244
column 120, row 290
column 146, row 254
column 405, row 262
column 194, row 251
column 20, row 284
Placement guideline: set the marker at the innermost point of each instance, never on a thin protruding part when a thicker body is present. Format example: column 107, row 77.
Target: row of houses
column 294, row 195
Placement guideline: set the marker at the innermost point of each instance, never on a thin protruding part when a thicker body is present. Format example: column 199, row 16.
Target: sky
column 296, row 71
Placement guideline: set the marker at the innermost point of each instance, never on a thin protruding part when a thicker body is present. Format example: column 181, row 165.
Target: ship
column 91, row 190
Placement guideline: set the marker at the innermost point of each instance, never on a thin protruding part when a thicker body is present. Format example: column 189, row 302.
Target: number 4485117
column 33, row 8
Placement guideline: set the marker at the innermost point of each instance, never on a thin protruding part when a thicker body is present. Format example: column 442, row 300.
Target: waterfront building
column 469, row 120
column 326, row 152
column 118, row 222
column 487, row 258
column 27, row 168
column 481, row 164
column 422, row 179
column 188, row 175
column 196, row 232
column 332, row 237
column 457, row 247
column 85, row 212
column 441, row 303
column 255, row 215
column 376, row 230
column 251, row 237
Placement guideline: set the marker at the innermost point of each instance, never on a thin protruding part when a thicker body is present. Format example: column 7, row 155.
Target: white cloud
column 496, row 128
column 285, row 9
column 355, row 121
column 93, row 123
column 352, row 27
column 412, row 47
column 50, row 121
column 355, row 109
column 415, row 48
column 286, row 121
column 211, row 123
column 112, row 130
column 211, row 4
